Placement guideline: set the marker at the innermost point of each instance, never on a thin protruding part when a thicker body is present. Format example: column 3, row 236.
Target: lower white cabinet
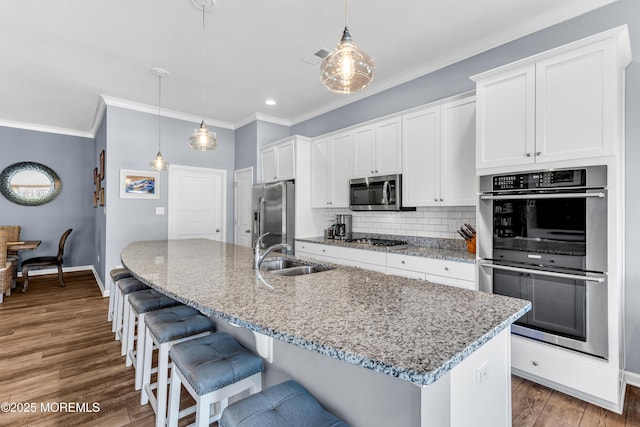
column 369, row 260
column 453, row 273
column 317, row 251
column 565, row 370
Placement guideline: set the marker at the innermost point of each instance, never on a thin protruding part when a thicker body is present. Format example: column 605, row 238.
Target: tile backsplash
column 438, row 222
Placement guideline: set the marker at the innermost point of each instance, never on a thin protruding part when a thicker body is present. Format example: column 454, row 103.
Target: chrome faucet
column 259, row 257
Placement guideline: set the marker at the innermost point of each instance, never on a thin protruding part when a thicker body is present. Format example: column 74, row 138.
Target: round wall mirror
column 29, row 183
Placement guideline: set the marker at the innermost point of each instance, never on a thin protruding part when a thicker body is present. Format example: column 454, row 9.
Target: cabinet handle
column 376, row 171
column 402, row 262
column 538, row 153
column 217, row 230
column 528, row 155
column 324, row 250
column 247, row 231
column 442, row 200
column 435, row 200
column 275, row 177
column 534, row 363
column 446, row 269
column 372, row 171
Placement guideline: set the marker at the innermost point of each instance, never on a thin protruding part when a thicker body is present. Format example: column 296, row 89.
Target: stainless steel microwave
column 376, row 193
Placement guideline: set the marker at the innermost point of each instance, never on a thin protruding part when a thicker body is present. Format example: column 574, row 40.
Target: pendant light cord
column 203, row 61
column 159, row 103
column 345, row 13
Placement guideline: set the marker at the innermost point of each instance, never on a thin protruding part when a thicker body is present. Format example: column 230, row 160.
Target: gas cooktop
column 378, row 242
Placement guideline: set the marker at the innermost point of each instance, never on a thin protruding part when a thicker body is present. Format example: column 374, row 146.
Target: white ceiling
column 58, row 57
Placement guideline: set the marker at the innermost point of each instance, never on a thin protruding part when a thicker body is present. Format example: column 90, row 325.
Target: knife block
column 471, row 245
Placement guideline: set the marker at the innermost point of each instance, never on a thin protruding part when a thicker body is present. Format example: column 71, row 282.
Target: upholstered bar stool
column 287, row 404
column 213, row 369
column 116, row 275
column 166, row 328
column 123, row 289
column 140, row 303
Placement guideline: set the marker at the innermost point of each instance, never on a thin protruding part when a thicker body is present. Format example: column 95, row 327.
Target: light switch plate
column 159, row 210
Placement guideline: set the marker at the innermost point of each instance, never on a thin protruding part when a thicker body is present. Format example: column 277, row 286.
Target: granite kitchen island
column 375, row 349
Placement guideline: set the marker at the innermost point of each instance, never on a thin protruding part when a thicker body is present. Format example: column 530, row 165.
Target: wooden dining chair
column 45, row 261
column 6, row 267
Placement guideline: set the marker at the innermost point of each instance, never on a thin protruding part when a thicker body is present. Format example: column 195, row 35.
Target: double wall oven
column 549, row 246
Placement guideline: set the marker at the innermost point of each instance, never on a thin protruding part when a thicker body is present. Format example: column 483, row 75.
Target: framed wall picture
column 139, row 184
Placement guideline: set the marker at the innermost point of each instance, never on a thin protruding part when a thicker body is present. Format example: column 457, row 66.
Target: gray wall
column 72, row 159
column 132, row 142
column 99, row 217
column 454, row 79
column 251, row 137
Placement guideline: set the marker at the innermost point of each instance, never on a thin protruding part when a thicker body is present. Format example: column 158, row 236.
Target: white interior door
column 242, row 187
column 197, row 203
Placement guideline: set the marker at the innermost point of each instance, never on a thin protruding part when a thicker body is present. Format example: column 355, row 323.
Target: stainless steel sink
column 270, row 264
column 291, row 267
column 297, row 271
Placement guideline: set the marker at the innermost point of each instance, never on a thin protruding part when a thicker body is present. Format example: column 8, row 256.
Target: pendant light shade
column 202, row 139
column 159, row 163
column 347, row 69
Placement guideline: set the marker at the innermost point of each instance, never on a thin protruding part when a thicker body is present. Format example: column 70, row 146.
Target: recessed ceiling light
column 270, row 102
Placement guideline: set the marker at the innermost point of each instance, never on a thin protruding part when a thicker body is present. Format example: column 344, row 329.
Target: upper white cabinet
column 564, row 104
column 377, row 148
column 331, row 166
column 277, row 161
column 438, row 149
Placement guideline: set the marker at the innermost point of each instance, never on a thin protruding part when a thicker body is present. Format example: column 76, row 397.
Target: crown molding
column 46, row 129
column 263, row 118
column 151, row 109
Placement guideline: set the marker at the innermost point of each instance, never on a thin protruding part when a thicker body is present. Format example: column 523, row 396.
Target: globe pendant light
column 159, row 163
column 202, row 139
column 347, row 69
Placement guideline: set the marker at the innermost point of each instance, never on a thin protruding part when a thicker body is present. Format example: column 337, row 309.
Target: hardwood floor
column 56, row 347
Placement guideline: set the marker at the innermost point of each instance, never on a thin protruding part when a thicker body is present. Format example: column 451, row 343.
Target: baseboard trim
column 632, row 378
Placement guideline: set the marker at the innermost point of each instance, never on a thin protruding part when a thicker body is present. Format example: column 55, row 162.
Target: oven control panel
column 544, row 179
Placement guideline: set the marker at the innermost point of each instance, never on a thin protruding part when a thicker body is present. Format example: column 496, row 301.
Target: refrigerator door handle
column 261, row 221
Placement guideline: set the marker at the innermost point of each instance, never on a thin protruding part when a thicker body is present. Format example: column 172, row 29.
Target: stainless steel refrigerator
column 273, row 206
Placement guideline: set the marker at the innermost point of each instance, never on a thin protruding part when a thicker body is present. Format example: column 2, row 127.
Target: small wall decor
column 101, row 165
column 139, row 184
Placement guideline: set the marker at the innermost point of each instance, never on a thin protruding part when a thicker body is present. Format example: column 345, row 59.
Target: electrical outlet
column 482, row 374
column 159, row 260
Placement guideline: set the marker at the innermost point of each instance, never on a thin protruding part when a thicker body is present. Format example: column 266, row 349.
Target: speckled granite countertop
column 450, row 254
column 410, row 329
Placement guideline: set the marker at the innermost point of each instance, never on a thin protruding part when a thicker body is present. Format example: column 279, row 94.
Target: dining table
column 23, row 245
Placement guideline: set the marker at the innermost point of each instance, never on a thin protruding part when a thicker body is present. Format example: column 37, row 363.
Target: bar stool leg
column 112, row 300
column 117, row 317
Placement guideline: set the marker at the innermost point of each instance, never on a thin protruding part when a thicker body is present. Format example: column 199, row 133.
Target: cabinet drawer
column 570, row 369
column 362, row 256
column 433, row 267
column 406, row 273
column 317, row 249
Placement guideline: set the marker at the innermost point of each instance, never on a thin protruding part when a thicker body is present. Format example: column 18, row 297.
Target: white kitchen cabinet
column 377, row 148
column 277, row 161
column 331, row 166
column 438, row 148
column 561, row 105
column 320, row 252
column 453, row 273
column 361, row 258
